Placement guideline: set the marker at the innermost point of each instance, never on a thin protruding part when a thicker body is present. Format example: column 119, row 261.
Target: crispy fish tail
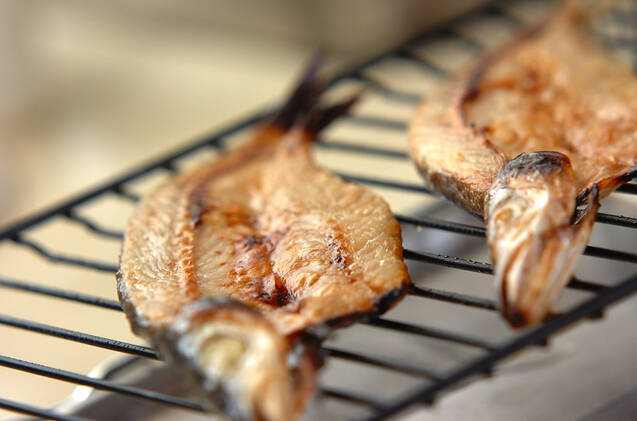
column 302, row 106
column 608, row 184
column 324, row 116
column 535, row 232
column 303, row 98
column 242, row 365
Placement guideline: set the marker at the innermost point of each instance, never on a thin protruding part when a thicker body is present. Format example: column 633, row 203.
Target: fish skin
column 259, row 254
column 453, row 157
column 553, row 90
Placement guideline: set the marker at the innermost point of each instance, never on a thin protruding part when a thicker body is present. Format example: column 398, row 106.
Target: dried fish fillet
column 236, row 270
column 529, row 139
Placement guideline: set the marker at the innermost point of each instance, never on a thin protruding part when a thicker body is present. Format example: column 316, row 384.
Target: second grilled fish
column 530, row 138
column 235, row 271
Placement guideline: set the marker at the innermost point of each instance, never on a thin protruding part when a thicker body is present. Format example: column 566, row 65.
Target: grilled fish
column 237, row 270
column 530, row 138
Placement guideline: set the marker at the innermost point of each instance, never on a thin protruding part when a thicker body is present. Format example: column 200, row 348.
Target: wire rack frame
column 433, row 382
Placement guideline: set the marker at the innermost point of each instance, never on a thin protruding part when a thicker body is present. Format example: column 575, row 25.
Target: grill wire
column 432, row 382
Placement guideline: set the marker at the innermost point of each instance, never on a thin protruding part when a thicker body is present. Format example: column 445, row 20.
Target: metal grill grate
column 429, row 382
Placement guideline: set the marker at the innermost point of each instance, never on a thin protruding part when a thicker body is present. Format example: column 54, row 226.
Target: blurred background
column 89, row 89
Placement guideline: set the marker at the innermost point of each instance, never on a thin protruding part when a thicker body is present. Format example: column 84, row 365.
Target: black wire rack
column 429, row 381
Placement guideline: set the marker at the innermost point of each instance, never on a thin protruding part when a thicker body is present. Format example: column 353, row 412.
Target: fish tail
column 322, row 117
column 304, row 97
column 607, row 185
column 218, row 342
column 587, row 204
column 536, row 232
column 302, row 106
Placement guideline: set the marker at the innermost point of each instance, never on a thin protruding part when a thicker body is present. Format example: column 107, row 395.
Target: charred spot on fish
column 386, row 301
column 252, row 240
column 625, row 178
column 380, row 306
column 272, row 292
column 284, row 296
column 515, row 317
column 584, row 202
column 339, row 261
column 260, row 246
column 338, row 258
column 543, row 163
column 258, row 291
column 261, row 296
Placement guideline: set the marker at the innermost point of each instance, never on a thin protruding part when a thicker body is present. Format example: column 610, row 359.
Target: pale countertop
column 86, row 98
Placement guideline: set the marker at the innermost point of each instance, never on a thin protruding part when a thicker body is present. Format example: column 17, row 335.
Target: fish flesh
column 235, row 271
column 529, row 138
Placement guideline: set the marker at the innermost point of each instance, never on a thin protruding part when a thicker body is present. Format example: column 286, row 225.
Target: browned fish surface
column 562, row 115
column 236, row 269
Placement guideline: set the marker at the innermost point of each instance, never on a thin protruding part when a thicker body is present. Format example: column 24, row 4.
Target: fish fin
column 322, row 117
column 303, row 98
column 536, row 232
column 607, row 185
column 586, row 203
column 219, row 342
column 629, row 175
